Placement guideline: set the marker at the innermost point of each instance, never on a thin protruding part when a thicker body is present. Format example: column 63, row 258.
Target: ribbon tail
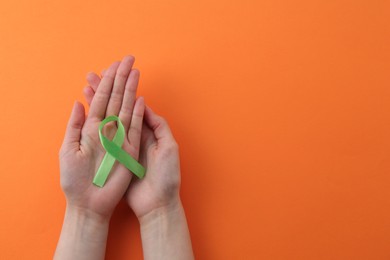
column 104, row 170
column 131, row 164
column 124, row 158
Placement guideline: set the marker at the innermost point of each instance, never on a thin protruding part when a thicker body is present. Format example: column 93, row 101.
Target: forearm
column 83, row 235
column 165, row 234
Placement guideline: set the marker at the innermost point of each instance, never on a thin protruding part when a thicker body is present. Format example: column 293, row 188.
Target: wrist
column 85, row 225
column 165, row 235
column 166, row 211
column 79, row 214
column 83, row 236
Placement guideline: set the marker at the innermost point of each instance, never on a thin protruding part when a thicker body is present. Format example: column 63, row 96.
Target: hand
column 155, row 199
column 159, row 154
column 81, row 152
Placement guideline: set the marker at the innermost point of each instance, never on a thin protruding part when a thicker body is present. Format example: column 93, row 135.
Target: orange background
column 281, row 110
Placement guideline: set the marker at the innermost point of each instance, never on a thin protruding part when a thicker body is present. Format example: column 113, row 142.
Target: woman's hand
column 81, row 152
column 158, row 153
column 89, row 208
column 155, row 199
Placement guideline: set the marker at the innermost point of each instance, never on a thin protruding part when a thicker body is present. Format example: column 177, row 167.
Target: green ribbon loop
column 114, row 152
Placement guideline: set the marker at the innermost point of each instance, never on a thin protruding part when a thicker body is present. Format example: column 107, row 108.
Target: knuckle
column 101, row 95
column 122, row 73
column 137, row 116
column 162, row 120
column 124, row 113
column 110, row 74
column 116, row 95
column 135, row 131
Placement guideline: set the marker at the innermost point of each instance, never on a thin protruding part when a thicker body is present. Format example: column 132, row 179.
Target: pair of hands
column 148, row 139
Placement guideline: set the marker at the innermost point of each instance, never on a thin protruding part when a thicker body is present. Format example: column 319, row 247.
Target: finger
column 103, row 72
column 89, row 91
column 118, row 90
column 88, row 94
column 135, row 130
column 103, row 93
column 160, row 127
column 126, row 111
column 147, row 139
column 75, row 124
column 93, row 80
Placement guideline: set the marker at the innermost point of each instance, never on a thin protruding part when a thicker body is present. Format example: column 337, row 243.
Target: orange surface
column 281, row 110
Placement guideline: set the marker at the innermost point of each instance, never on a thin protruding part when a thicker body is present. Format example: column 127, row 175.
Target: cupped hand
column 81, row 152
column 159, row 154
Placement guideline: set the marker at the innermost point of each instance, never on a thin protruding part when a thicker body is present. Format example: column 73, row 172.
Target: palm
column 86, row 161
column 158, row 154
column 82, row 152
column 143, row 195
column 162, row 178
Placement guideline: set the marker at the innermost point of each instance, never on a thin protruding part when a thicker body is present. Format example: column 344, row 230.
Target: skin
column 160, row 155
column 89, row 207
column 155, row 199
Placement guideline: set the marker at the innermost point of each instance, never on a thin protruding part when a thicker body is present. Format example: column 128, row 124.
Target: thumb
column 159, row 126
column 75, row 124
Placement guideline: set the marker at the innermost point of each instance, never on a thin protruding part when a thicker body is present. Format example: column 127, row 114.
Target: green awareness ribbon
column 114, row 152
